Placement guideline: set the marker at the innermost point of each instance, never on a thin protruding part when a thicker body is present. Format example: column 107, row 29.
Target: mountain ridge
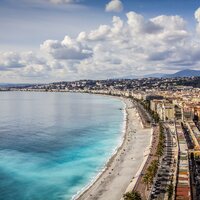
column 181, row 73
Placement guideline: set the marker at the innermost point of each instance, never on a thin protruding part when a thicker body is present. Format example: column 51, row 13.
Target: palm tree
column 132, row 196
column 146, row 180
column 170, row 191
column 160, row 149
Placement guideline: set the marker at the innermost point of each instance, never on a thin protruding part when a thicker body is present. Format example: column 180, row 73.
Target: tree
column 156, row 117
column 170, row 191
column 160, row 147
column 146, row 180
column 132, row 196
column 150, row 173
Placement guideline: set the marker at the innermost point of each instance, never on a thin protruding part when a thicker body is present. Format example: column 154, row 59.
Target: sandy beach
column 124, row 165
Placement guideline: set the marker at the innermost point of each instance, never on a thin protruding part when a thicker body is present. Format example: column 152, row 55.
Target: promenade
column 140, row 186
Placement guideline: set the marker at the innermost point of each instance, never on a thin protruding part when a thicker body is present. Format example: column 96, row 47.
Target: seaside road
column 140, row 186
column 123, row 166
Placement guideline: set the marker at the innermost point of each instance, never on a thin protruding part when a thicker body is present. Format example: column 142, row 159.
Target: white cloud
column 10, row 60
column 68, row 49
column 100, row 33
column 197, row 17
column 136, row 45
column 114, row 6
column 25, row 64
column 139, row 24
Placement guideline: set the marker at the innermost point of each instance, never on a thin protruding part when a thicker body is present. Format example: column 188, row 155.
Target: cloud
column 68, row 49
column 197, row 17
column 114, row 6
column 135, row 45
column 24, row 65
column 132, row 46
column 139, row 24
column 9, row 61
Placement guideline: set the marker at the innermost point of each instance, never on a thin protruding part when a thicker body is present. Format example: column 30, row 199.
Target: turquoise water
column 53, row 144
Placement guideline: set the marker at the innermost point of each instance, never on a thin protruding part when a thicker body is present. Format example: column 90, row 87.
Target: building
column 169, row 112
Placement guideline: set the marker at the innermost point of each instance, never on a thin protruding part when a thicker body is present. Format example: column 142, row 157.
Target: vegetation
column 195, row 82
column 132, row 196
column 152, row 169
column 170, row 191
column 150, row 173
column 154, row 115
column 160, row 147
column 146, row 105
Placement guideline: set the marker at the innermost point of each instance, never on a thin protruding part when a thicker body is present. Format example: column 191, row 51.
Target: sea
column 53, row 145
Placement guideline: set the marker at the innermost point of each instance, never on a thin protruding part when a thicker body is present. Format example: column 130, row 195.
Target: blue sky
column 30, row 30
column 26, row 24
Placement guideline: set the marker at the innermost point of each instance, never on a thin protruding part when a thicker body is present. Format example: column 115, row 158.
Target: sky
column 43, row 41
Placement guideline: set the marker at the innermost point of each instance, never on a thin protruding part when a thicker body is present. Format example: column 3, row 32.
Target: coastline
column 112, row 182
column 114, row 152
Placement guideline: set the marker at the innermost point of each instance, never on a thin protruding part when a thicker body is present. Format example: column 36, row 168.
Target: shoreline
column 118, row 168
column 115, row 150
